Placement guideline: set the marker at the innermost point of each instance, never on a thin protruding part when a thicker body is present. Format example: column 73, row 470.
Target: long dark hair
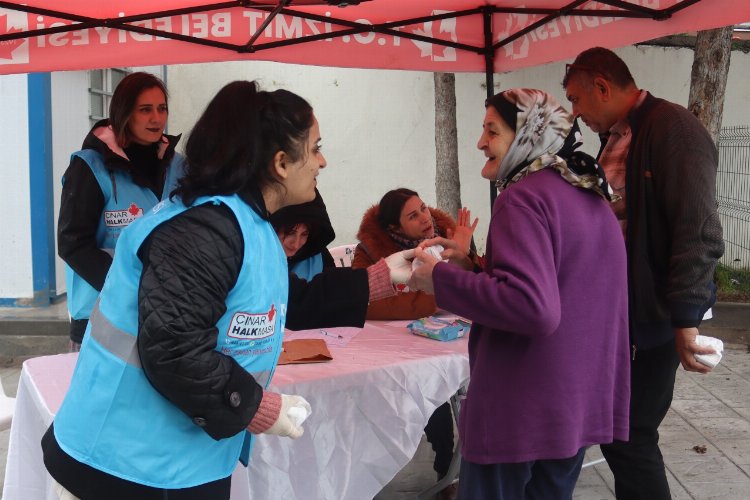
column 391, row 204
column 122, row 105
column 233, row 143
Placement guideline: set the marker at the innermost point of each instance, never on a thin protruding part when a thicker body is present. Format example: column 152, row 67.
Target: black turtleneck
column 145, row 166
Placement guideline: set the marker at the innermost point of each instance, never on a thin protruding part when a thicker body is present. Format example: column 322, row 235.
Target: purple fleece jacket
column 548, row 348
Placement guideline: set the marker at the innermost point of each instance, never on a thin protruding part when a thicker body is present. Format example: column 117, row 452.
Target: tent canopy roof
column 428, row 35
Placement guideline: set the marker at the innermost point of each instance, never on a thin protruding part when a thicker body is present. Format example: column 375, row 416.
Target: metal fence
column 733, row 194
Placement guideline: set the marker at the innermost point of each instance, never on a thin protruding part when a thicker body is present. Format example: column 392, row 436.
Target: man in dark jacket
column 661, row 160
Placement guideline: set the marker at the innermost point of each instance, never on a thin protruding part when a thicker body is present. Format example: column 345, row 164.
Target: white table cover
column 370, row 405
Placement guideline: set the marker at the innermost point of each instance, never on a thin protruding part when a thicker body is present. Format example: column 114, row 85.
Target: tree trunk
column 708, row 79
column 447, row 182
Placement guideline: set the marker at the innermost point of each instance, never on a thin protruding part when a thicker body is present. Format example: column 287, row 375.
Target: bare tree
column 708, row 79
column 447, row 182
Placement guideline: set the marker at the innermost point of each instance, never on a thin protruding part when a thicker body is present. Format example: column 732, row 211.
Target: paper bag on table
column 304, row 351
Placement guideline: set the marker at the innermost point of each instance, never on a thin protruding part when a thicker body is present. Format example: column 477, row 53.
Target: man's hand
column 464, row 230
column 421, row 278
column 684, row 339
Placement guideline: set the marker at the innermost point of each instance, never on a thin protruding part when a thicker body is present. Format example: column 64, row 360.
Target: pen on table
column 330, row 334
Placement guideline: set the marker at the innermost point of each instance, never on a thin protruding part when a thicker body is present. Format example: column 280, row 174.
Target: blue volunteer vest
column 114, row 420
column 124, row 201
column 309, row 268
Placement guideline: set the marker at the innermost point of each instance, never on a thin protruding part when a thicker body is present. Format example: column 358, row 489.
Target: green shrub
column 733, row 284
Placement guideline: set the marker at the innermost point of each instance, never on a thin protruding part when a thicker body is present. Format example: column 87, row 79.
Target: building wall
column 15, row 251
column 378, row 126
column 70, row 123
column 665, row 72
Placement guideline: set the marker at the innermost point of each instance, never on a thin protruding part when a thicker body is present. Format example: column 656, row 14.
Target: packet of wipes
column 439, row 327
column 717, row 345
column 299, row 412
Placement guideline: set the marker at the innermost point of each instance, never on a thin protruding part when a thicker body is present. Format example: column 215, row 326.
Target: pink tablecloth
column 370, row 405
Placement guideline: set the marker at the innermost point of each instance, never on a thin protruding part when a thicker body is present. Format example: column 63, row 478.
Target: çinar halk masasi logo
column 252, row 325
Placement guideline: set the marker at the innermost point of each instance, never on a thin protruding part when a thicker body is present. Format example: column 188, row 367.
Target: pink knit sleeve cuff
column 379, row 281
column 267, row 414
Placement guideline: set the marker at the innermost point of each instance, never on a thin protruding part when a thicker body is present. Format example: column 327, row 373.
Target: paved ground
column 711, row 411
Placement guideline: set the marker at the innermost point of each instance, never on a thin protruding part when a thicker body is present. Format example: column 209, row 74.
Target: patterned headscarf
column 547, row 136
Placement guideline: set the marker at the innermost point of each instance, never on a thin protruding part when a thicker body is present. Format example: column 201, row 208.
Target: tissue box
column 440, row 327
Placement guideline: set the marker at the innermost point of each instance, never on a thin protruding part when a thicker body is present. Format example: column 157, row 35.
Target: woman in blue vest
column 125, row 167
column 170, row 384
column 305, row 231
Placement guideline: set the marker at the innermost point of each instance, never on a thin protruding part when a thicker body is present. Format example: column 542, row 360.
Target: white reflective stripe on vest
column 116, row 341
column 124, row 345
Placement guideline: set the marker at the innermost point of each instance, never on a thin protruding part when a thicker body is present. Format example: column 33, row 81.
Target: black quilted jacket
column 190, row 264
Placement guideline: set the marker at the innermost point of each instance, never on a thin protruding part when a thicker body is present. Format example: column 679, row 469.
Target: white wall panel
column 15, row 251
column 70, row 123
column 378, row 126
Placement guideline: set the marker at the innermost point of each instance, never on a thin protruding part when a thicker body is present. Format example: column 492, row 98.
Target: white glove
column 291, row 416
column 399, row 264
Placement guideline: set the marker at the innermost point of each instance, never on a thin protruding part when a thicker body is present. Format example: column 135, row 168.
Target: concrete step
column 42, row 331
column 13, row 347
column 34, row 326
column 730, row 323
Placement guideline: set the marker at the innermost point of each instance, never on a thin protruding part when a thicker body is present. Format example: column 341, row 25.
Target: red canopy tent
column 427, row 35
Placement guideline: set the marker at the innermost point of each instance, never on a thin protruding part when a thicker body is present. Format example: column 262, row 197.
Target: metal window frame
column 104, row 93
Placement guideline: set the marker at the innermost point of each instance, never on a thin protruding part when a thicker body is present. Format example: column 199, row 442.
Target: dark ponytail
column 233, row 143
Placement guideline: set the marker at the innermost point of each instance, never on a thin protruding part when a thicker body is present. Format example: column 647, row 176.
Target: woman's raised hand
column 464, row 230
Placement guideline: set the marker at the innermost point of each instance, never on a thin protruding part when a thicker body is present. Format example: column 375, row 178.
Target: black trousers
column 638, row 465
column 439, row 431
column 77, row 329
column 88, row 483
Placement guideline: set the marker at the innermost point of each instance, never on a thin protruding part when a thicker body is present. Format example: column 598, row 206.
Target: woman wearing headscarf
column 548, row 349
